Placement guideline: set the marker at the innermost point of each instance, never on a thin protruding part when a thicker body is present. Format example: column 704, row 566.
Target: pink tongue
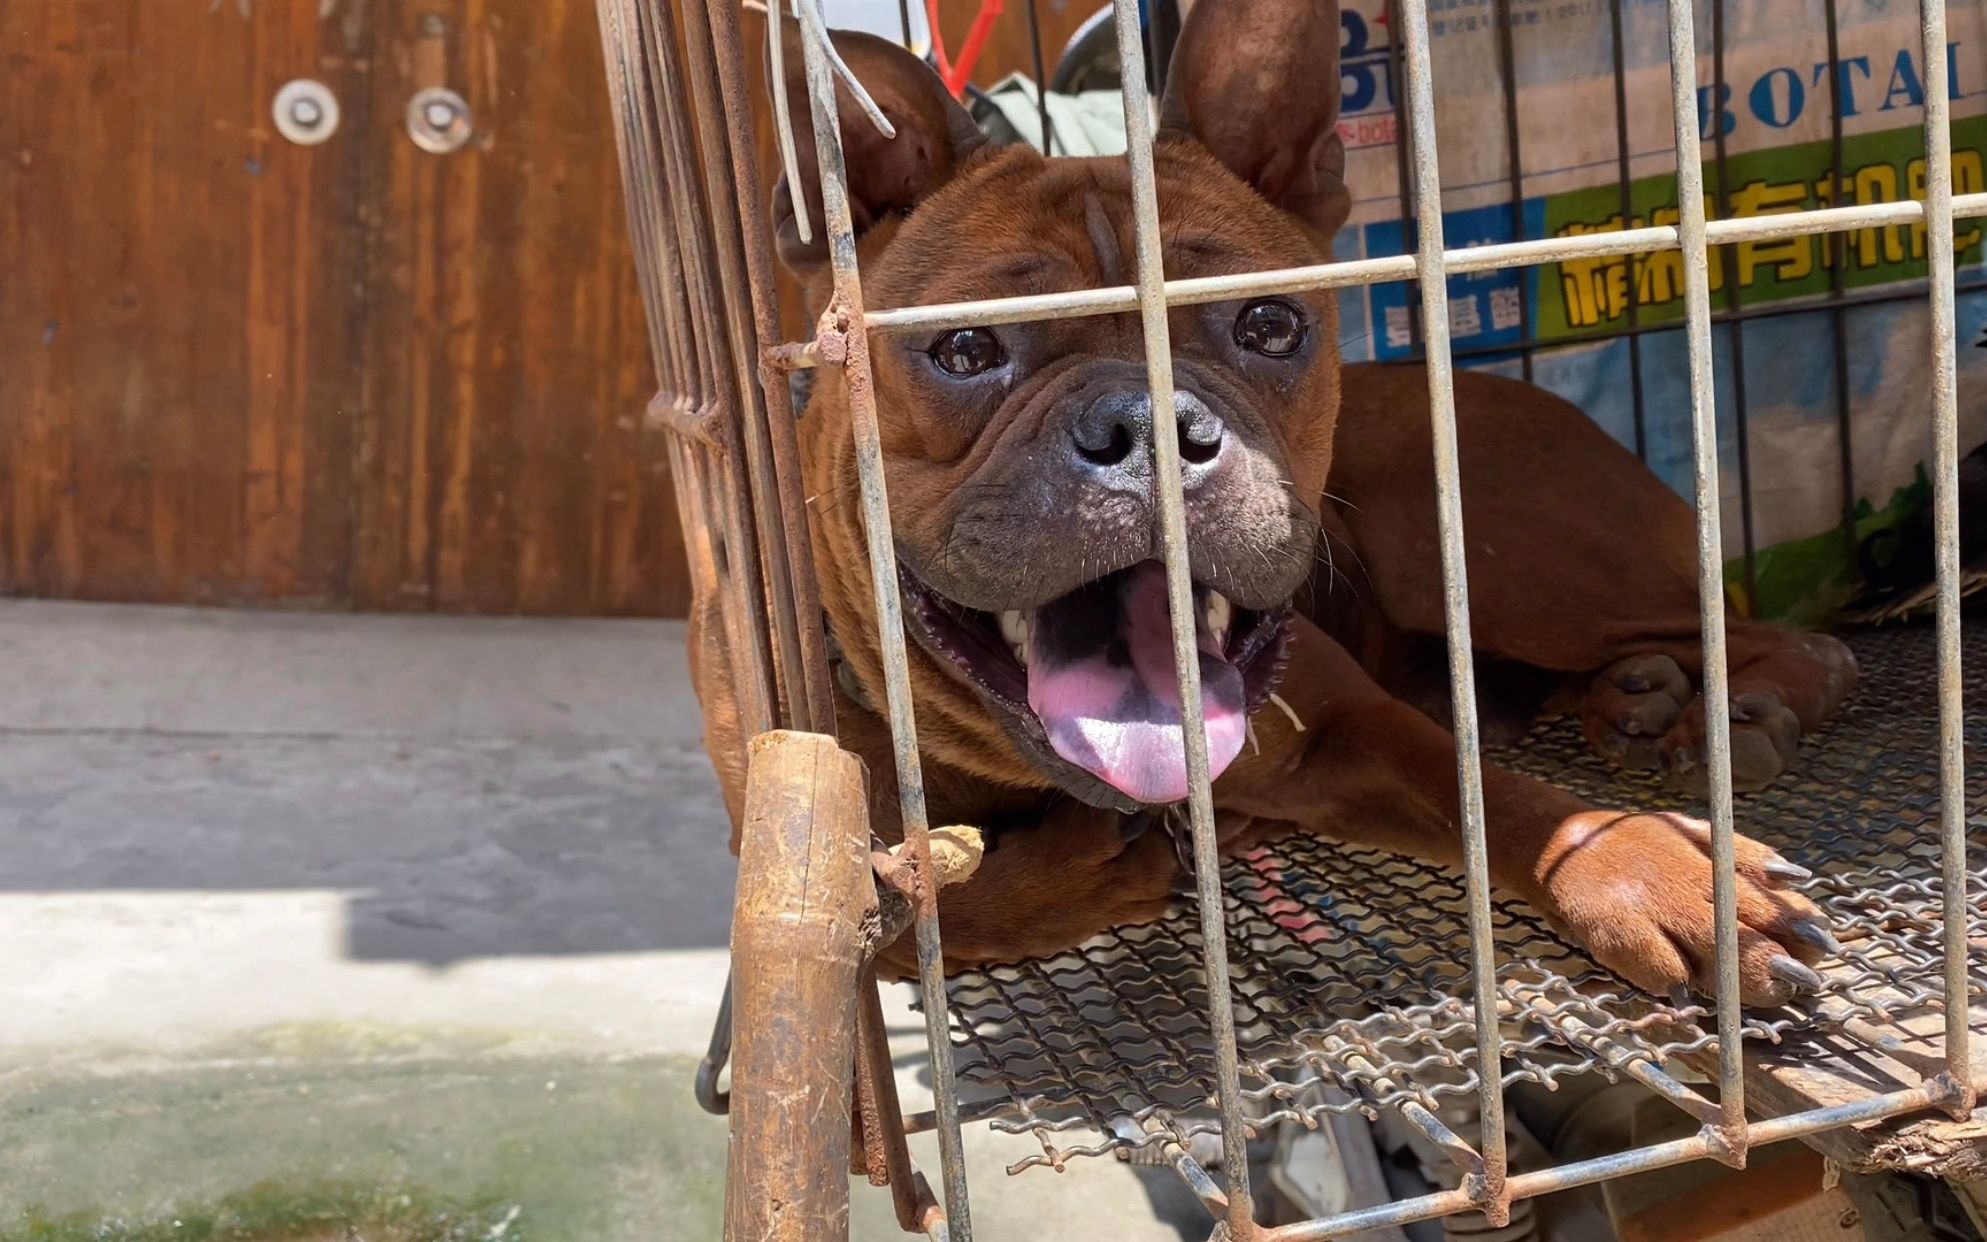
column 1116, row 712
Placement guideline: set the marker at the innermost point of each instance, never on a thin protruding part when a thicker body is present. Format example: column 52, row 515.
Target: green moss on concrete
column 585, row 1150
column 274, row 1213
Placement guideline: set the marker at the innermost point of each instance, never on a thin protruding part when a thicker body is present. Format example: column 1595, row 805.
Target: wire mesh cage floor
column 1351, row 966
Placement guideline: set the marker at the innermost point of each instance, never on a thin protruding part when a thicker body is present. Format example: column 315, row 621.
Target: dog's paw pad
column 1631, row 705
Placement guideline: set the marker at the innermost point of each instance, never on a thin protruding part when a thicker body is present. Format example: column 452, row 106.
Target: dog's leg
column 1074, row 872
column 1634, row 888
column 1581, row 562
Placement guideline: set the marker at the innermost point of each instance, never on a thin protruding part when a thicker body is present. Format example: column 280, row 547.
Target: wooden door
column 238, row 370
column 234, row 369
column 180, row 355
column 504, row 463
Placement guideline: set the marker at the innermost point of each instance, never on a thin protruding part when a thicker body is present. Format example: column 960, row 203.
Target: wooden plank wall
column 238, row 371
column 176, row 388
column 503, row 464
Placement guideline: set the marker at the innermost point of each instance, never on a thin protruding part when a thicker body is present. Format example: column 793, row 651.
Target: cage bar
column 1622, row 155
column 1734, row 300
column 846, row 316
column 1601, row 1168
column 1838, row 271
column 1958, row 1077
column 718, row 71
column 1344, row 274
column 1507, row 66
column 1180, row 608
column 1486, row 1188
column 799, row 663
column 1713, row 688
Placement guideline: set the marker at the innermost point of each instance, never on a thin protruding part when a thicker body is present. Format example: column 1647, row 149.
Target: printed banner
column 1579, row 131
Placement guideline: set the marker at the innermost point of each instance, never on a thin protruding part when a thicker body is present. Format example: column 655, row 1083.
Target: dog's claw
column 1794, row 974
column 1811, row 932
column 1781, row 869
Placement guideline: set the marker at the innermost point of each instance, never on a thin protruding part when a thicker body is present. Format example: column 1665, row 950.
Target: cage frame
column 724, row 397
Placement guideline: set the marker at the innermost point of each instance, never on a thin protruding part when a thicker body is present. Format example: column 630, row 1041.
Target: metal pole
column 1041, row 80
column 1180, row 606
column 1945, row 510
column 1187, row 291
column 1710, row 574
column 846, row 316
column 793, row 705
column 1486, row 1191
column 1507, row 65
column 1728, row 261
column 1838, row 282
column 1623, row 175
column 1602, row 1168
column 714, row 36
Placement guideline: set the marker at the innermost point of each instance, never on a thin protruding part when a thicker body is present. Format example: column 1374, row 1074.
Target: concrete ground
column 307, row 919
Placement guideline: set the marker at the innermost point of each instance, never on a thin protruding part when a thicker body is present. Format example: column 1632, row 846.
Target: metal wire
column 840, row 228
column 1945, row 508
column 1715, row 689
column 1736, row 337
column 1619, row 49
column 1487, row 1187
column 1120, row 299
column 1180, row 604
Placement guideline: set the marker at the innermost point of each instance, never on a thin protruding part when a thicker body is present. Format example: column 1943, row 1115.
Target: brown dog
column 1020, row 476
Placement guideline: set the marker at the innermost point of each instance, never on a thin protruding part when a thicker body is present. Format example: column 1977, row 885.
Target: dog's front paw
column 1635, row 889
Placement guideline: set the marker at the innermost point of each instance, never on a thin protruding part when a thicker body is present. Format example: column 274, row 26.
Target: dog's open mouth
column 1091, row 674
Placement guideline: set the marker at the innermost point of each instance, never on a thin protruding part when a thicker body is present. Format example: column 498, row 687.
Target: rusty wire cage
column 1306, row 979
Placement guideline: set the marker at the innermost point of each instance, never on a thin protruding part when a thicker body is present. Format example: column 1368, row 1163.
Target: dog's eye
column 967, row 351
column 1270, row 326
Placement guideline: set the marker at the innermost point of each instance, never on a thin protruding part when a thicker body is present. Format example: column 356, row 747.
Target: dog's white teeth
column 1219, row 614
column 1014, row 628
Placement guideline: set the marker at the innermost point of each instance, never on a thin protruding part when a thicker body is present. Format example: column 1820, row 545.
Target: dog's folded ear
column 887, row 176
column 1256, row 82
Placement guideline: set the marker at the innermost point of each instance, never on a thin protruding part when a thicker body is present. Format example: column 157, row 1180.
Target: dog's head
column 1019, row 456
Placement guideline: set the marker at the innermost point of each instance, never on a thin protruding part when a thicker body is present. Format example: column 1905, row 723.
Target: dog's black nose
column 1112, row 437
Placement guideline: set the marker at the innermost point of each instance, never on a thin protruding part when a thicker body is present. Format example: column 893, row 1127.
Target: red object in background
column 957, row 74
